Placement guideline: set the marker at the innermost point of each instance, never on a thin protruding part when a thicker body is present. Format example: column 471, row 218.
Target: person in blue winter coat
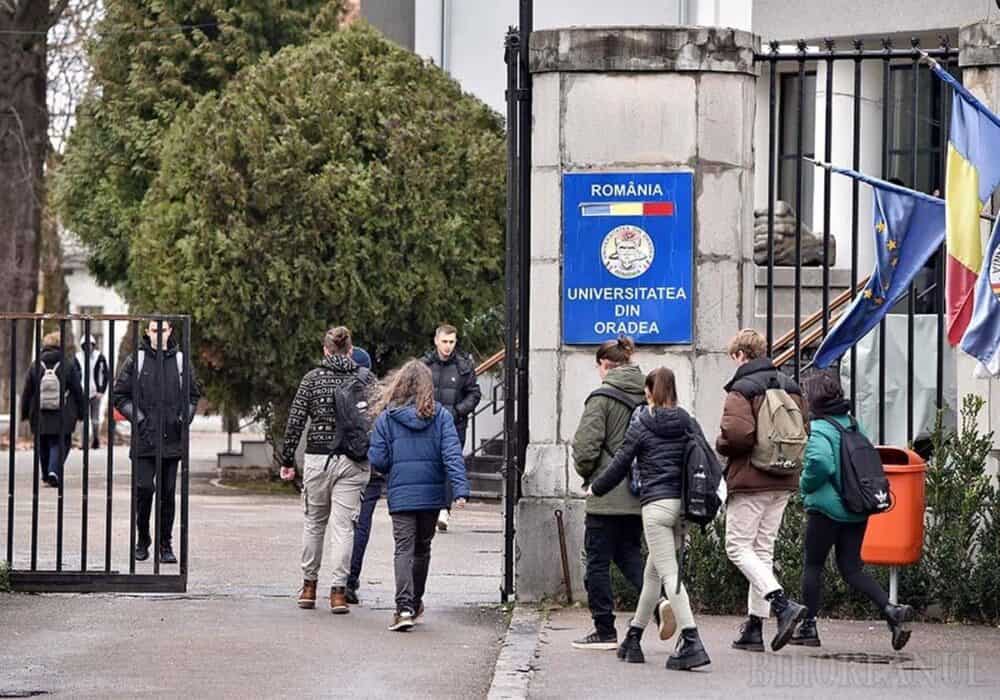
column 415, row 444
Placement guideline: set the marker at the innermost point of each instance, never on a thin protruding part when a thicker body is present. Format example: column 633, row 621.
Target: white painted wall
column 473, row 30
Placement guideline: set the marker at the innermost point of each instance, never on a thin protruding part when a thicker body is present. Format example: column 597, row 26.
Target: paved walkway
column 237, row 632
column 855, row 661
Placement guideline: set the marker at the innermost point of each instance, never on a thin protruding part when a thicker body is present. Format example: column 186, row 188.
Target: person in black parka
column 150, row 399
column 456, row 387
column 53, row 428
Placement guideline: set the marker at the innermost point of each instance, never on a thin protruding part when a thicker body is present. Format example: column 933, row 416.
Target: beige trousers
column 752, row 524
column 330, row 492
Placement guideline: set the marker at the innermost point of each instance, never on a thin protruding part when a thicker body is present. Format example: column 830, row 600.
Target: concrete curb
column 518, row 655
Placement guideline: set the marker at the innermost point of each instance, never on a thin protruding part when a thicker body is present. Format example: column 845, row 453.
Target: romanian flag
column 627, row 209
column 973, row 174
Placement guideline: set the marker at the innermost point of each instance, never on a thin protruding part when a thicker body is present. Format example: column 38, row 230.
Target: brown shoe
column 338, row 601
column 307, row 596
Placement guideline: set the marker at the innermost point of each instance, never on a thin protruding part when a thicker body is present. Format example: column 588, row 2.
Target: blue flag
column 909, row 227
column 982, row 338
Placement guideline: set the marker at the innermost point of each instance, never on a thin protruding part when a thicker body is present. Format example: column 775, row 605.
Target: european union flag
column 909, row 227
column 982, row 338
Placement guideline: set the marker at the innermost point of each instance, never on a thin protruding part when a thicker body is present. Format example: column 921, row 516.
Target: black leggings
column 822, row 534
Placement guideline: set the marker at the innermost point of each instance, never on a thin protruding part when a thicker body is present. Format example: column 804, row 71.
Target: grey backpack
column 49, row 388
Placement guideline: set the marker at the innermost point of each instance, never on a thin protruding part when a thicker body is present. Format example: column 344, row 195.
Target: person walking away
column 99, row 376
column 455, row 387
column 151, row 395
column 415, row 444
column 657, row 438
column 829, row 522
column 763, row 435
column 332, row 481
column 613, row 525
column 52, row 402
column 369, row 499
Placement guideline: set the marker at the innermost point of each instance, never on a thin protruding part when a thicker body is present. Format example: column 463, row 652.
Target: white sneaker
column 443, row 520
column 668, row 625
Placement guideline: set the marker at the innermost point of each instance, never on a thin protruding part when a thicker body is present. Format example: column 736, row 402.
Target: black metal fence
column 915, row 111
column 29, row 572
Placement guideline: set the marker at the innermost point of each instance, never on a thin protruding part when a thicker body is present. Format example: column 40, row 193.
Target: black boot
column 806, row 635
column 631, row 649
column 788, row 614
column 897, row 616
column 167, row 553
column 690, row 652
column 751, row 635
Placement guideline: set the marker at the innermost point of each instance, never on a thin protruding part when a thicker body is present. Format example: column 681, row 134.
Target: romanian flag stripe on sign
column 627, row 209
column 973, row 173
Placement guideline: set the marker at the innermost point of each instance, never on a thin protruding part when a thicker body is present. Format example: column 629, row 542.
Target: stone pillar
column 979, row 57
column 630, row 100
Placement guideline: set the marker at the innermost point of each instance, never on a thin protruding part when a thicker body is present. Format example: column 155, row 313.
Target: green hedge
column 955, row 580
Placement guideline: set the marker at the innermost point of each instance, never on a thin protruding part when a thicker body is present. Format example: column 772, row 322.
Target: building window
column 933, row 99
column 928, row 148
column 788, row 125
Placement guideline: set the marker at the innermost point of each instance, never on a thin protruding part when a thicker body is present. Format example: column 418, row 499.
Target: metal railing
column 38, row 577
column 896, row 64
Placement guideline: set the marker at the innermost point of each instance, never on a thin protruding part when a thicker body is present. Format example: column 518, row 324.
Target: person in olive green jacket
column 613, row 525
column 829, row 523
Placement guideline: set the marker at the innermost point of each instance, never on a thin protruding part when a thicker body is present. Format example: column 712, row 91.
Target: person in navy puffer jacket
column 415, row 444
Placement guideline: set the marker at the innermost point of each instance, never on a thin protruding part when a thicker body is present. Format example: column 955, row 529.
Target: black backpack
column 354, row 423
column 700, row 478
column 864, row 487
column 700, row 501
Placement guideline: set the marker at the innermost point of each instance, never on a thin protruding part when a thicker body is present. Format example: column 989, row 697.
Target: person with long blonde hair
column 415, row 444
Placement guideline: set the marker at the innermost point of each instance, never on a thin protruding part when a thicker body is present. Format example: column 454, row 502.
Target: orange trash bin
column 896, row 537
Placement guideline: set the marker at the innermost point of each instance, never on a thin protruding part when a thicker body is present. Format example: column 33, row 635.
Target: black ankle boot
column 806, row 635
column 631, row 649
column 751, row 635
column 690, row 652
column 787, row 614
column 897, row 616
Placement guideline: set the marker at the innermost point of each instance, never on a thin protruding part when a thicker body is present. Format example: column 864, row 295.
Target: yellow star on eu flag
column 880, row 227
column 868, row 294
column 891, row 244
column 878, row 301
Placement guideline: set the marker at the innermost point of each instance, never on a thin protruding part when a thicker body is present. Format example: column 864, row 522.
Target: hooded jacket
column 822, row 477
column 145, row 397
column 98, row 367
column 657, row 439
column 314, row 402
column 738, row 433
column 600, row 433
column 74, row 404
column 418, row 455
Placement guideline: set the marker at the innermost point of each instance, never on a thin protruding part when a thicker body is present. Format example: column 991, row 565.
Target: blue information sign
column 627, row 257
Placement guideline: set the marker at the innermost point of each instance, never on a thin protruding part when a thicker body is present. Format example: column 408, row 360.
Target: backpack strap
column 615, row 394
column 179, row 356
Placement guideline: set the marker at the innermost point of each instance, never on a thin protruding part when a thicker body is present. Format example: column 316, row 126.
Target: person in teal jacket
column 829, row 524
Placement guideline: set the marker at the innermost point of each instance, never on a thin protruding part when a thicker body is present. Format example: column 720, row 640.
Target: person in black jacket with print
column 657, row 438
column 151, row 396
column 455, row 386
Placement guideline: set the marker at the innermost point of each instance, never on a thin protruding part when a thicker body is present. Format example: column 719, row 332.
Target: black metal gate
column 914, row 132
column 110, row 569
column 517, row 275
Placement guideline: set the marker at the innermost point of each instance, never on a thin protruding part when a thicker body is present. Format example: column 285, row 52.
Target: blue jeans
column 363, row 528
column 50, row 461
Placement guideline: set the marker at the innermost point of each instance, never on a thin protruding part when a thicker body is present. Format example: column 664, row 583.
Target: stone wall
column 631, row 100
